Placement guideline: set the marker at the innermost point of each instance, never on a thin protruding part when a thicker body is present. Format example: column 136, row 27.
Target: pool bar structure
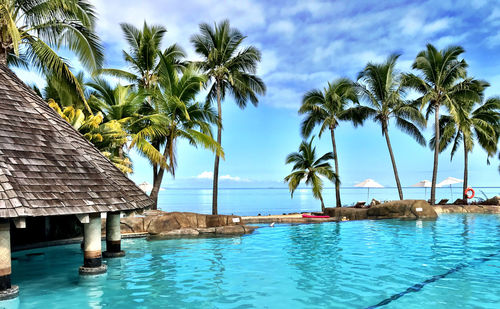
column 51, row 175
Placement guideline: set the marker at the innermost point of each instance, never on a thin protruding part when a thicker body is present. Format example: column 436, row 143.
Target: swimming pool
column 448, row 263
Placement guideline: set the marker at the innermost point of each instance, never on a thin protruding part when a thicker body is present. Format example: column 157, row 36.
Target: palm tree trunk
column 322, row 203
column 217, row 158
column 466, row 172
column 398, row 183
column 337, row 182
column 436, row 154
column 156, row 188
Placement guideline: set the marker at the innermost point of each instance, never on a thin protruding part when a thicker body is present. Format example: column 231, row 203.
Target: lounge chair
column 443, row 202
column 360, row 204
column 459, row 201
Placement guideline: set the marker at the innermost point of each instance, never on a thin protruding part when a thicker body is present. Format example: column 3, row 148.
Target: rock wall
column 406, row 209
column 159, row 224
column 480, row 209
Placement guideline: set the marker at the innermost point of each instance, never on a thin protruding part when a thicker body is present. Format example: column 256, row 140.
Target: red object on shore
column 309, row 216
column 470, row 190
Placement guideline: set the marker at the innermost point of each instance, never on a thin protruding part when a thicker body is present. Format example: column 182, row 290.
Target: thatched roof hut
column 48, row 168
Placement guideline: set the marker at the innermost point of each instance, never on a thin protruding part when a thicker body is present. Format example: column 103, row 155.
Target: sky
column 304, row 45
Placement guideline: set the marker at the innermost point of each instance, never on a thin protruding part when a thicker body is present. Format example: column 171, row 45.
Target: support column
column 113, row 236
column 92, row 258
column 7, row 291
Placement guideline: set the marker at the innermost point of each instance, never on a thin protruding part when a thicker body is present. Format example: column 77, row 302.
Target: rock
column 162, row 224
column 348, row 212
column 201, row 220
column 212, row 221
column 132, row 225
column 186, row 219
column 180, row 232
column 249, row 228
column 206, row 230
column 492, row 201
column 406, row 209
column 230, row 230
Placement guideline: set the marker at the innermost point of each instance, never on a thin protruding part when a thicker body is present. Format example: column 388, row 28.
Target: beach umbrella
column 423, row 184
column 146, row 187
column 369, row 183
column 449, row 181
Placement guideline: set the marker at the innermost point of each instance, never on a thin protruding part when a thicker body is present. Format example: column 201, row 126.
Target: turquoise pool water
column 449, row 263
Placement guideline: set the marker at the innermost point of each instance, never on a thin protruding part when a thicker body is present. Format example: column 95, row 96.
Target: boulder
column 132, row 225
column 206, row 230
column 162, row 224
column 186, row 219
column 350, row 213
column 406, row 209
column 492, row 201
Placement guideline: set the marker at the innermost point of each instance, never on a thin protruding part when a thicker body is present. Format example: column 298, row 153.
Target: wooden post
column 92, row 258
column 113, row 236
column 7, row 290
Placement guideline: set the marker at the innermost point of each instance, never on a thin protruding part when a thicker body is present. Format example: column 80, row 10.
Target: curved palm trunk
column 157, row 179
column 398, row 183
column 322, row 203
column 436, row 154
column 466, row 172
column 217, row 158
column 337, row 182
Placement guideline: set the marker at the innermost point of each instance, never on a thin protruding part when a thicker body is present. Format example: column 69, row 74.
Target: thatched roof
column 48, row 168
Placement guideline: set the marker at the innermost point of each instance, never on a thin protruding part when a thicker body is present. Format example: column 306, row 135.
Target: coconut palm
column 143, row 57
column 231, row 70
column 380, row 85
column 471, row 122
column 172, row 114
column 327, row 108
column 441, row 82
column 30, row 30
column 308, row 168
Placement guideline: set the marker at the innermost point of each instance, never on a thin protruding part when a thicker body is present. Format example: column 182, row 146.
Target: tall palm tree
column 30, row 30
column 326, row 108
column 471, row 122
column 308, row 168
column 231, row 69
column 381, row 87
column 441, row 82
column 143, row 57
column 173, row 114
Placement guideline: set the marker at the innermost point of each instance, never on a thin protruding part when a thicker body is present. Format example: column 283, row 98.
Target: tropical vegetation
column 231, row 70
column 381, row 87
column 326, row 108
column 307, row 167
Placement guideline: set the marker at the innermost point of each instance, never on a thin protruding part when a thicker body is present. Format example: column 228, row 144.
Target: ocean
column 275, row 201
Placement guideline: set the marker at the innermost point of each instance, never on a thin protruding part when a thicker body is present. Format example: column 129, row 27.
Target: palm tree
column 231, row 70
column 173, row 114
column 31, row 29
column 119, row 105
column 471, row 122
column 381, row 87
column 143, row 57
column 326, row 108
column 442, row 81
column 309, row 168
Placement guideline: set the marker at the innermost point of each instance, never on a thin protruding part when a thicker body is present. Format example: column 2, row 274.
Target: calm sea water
column 247, row 202
column 451, row 262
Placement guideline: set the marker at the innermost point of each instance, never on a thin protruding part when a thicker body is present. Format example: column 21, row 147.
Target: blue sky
column 304, row 45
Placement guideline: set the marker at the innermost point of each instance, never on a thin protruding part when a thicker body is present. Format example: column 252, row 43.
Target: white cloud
column 205, row 175
column 282, row 27
column 330, row 51
column 268, row 63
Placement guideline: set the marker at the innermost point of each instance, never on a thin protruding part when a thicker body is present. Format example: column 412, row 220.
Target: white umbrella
column 423, row 184
column 146, row 187
column 449, row 181
column 369, row 183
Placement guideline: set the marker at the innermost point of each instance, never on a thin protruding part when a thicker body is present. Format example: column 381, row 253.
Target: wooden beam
column 20, row 222
column 83, row 218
